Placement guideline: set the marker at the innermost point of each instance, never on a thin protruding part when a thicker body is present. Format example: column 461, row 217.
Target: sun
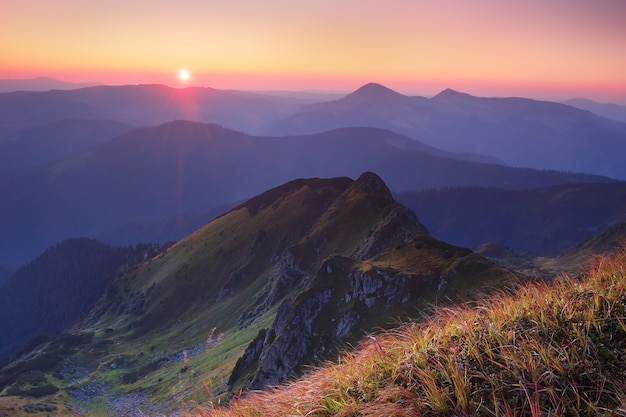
column 184, row 75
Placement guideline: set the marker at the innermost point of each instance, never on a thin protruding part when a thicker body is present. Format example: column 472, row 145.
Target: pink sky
column 535, row 48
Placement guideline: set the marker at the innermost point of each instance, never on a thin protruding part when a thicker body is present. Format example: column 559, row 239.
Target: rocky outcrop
column 249, row 357
column 290, row 340
column 309, row 327
column 325, row 301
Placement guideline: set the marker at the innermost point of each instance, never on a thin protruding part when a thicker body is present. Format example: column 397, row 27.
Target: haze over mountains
column 39, row 84
column 608, row 110
column 189, row 167
column 288, row 237
column 521, row 132
column 81, row 162
column 517, row 131
column 144, row 105
column 55, row 141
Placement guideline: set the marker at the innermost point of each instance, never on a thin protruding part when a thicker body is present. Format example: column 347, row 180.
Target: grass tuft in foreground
column 545, row 349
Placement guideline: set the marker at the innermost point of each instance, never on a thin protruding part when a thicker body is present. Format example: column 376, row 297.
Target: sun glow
column 184, row 75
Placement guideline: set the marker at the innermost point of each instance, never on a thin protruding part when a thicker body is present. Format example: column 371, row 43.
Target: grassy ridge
column 553, row 349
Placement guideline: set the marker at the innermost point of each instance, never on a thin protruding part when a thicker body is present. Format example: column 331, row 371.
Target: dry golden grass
column 544, row 349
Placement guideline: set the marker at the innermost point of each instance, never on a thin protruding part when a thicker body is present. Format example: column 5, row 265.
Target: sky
column 551, row 49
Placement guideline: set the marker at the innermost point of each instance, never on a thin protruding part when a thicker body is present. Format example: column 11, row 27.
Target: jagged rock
column 251, row 355
column 377, row 285
column 285, row 354
column 310, row 326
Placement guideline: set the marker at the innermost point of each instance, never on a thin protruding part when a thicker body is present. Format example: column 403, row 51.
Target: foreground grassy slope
column 554, row 348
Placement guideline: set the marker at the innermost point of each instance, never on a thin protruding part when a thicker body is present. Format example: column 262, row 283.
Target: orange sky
column 533, row 48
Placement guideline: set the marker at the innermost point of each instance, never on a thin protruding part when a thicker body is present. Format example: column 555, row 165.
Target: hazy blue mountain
column 521, row 132
column 5, row 272
column 39, row 84
column 515, row 131
column 543, row 221
column 56, row 141
column 144, row 105
column 609, row 110
column 188, row 167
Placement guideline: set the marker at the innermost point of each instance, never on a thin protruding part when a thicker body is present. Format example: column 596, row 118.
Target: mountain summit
column 450, row 94
column 373, row 91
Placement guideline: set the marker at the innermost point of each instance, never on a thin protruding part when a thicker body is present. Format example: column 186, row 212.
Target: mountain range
column 515, row 131
column 79, row 163
column 143, row 105
column 189, row 167
column 520, row 132
column 39, row 84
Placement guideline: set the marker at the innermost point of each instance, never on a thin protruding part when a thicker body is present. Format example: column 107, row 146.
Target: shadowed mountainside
column 58, row 288
column 543, row 221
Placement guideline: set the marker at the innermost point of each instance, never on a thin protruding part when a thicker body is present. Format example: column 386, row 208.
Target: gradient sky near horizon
column 534, row 48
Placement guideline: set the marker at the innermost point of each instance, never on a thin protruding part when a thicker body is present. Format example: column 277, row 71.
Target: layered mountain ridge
column 518, row 131
column 189, row 167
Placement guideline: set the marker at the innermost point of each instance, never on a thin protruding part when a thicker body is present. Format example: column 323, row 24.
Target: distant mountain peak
column 450, row 94
column 374, row 91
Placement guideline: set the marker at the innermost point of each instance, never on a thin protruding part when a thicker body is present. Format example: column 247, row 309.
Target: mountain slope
column 276, row 283
column 520, row 132
column 187, row 167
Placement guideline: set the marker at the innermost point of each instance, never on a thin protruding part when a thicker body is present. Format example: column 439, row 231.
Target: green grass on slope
column 545, row 349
